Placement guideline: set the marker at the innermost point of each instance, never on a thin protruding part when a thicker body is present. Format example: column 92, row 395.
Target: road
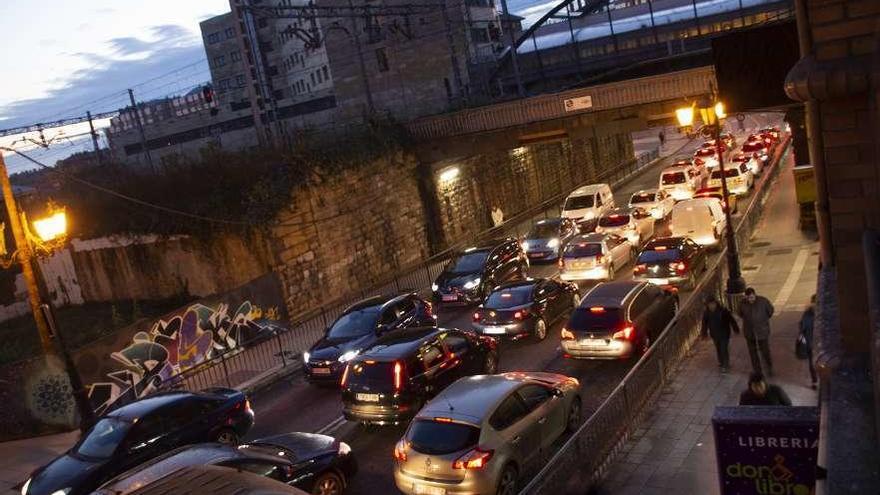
column 294, row 405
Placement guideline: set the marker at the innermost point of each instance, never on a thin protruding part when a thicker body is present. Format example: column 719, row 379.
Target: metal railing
column 585, row 457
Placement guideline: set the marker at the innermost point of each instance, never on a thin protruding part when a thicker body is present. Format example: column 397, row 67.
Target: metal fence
column 251, row 360
column 585, row 457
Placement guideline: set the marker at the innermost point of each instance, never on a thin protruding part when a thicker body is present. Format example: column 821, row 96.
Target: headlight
column 590, row 215
column 344, row 448
column 25, row 487
column 525, row 246
column 473, row 283
column 348, row 356
column 553, row 243
column 63, row 491
column 435, row 287
column 306, row 357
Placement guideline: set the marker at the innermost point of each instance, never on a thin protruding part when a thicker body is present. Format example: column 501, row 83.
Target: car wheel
column 490, row 367
column 227, row 436
column 507, row 481
column 540, row 329
column 573, row 422
column 328, row 483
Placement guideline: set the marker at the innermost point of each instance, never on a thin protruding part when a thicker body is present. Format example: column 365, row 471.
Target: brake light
column 247, row 406
column 625, row 334
column 443, row 420
column 597, row 309
column 477, row 316
column 429, row 309
column 698, row 161
column 475, row 459
column 521, row 314
column 600, row 258
column 398, row 376
column 561, row 263
column 400, row 451
column 679, row 266
column 640, row 268
column 344, row 379
column 566, row 334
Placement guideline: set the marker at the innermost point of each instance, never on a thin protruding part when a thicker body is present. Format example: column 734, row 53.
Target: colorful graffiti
column 175, row 345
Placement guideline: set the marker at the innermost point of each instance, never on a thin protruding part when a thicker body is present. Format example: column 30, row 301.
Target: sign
column 580, row 103
column 804, row 184
column 766, row 450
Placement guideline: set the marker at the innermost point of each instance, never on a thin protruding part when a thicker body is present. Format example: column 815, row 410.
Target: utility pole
column 456, row 70
column 520, row 91
column 363, row 66
column 23, row 252
column 94, row 136
column 140, row 126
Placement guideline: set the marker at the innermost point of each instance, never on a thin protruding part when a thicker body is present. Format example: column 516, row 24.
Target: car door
column 494, row 273
column 407, row 315
column 640, row 314
column 148, row 438
column 190, row 421
column 558, row 303
column 619, row 249
column 522, row 436
column 541, row 402
column 440, row 368
column 459, row 347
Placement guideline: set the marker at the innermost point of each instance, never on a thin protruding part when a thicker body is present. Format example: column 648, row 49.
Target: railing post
column 324, row 316
column 281, row 350
column 225, row 370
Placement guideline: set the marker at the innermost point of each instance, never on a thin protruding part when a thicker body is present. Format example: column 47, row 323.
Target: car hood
column 538, row 241
column 448, row 279
column 330, row 349
column 303, row 445
column 65, row 471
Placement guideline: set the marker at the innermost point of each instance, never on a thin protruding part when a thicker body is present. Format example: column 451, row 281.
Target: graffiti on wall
column 175, row 345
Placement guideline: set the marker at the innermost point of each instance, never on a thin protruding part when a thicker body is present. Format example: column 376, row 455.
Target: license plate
column 320, row 371
column 659, row 281
column 535, row 255
column 593, row 342
column 450, row 297
column 494, row 330
column 367, row 397
column 419, row 489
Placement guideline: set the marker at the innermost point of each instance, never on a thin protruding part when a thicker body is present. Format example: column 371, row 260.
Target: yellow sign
column 804, row 184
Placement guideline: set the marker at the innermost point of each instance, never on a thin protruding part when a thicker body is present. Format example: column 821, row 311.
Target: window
column 183, row 414
column 219, row 60
column 326, row 72
column 262, row 468
column 437, row 438
column 234, row 57
column 312, row 75
column 480, row 35
column 224, row 84
column 103, row 439
column 431, row 356
column 382, row 59
column 456, row 343
column 230, row 33
column 213, row 38
column 509, row 412
column 534, row 395
column 641, row 304
column 239, row 80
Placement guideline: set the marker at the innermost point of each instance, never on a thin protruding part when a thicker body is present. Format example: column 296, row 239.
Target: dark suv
column 618, row 320
column 140, row 431
column 389, row 383
column 471, row 275
column 358, row 327
column 674, row 261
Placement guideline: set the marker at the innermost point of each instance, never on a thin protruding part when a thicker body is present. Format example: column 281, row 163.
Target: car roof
column 401, row 343
column 589, row 189
column 691, row 202
column 488, row 244
column 215, row 480
column 666, row 241
column 549, row 221
column 621, row 210
column 646, row 191
column 149, row 404
column 373, row 302
column 675, row 169
column 592, row 237
column 519, row 283
column 611, row 294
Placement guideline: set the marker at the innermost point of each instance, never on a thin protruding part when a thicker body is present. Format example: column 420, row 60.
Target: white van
column 701, row 219
column 681, row 181
column 739, row 178
column 588, row 203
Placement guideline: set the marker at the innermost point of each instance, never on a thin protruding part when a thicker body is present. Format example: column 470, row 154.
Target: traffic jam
column 467, row 387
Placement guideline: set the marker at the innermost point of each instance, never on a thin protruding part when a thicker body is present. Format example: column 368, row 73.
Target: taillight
column 429, row 309
column 400, row 451
column 600, row 258
column 642, row 268
column 698, row 161
column 344, row 379
column 477, row 316
column 679, row 266
column 521, row 314
column 247, row 406
column 398, row 376
column 625, row 334
column 567, row 334
column 475, row 459
column 561, row 263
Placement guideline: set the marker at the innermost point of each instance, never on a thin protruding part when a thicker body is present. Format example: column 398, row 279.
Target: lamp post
column 711, row 113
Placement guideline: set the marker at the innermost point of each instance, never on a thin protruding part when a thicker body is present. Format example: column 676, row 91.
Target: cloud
column 129, row 45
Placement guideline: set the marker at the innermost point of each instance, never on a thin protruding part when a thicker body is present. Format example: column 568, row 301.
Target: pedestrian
column 497, row 215
column 761, row 393
column 806, row 336
column 662, row 137
column 755, row 312
column 718, row 323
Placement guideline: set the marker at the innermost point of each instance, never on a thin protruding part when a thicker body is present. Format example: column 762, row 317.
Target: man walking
column 718, row 323
column 806, row 331
column 761, row 393
column 756, row 312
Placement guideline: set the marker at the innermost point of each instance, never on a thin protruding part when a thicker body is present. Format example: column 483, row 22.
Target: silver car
column 483, row 432
column 595, row 257
column 635, row 223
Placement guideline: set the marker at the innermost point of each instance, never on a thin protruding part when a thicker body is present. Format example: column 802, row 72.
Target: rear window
column 673, row 178
column 469, row 262
column 543, row 231
column 582, row 250
column 705, row 152
column 377, row 374
column 729, row 172
column 753, row 147
column 508, row 298
column 439, row 438
column 579, row 202
column 585, row 320
column 653, row 256
column 614, row 220
column 642, row 198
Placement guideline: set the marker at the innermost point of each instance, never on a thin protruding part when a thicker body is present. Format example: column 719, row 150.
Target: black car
column 357, row 328
column 618, row 320
column 140, row 431
column 527, row 307
column 471, row 275
column 389, row 383
column 671, row 261
column 318, row 464
column 545, row 240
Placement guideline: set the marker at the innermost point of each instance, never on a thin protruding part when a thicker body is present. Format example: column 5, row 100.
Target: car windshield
column 729, row 172
column 509, row 297
column 642, row 198
column 588, row 319
column 440, row 438
column 578, row 202
column 354, row 324
column 103, row 439
column 582, row 250
column 654, row 256
column 614, row 220
column 673, row 178
column 544, row 230
column 469, row 262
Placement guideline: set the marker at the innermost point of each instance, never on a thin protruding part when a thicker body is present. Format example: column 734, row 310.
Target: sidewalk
column 674, row 451
column 21, row 457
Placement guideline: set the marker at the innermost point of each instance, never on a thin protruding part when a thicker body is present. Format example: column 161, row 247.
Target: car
column 140, row 431
column 700, row 219
column 216, row 480
column 586, row 204
column 484, row 433
column 755, row 164
column 471, row 275
column 357, row 328
column 389, row 383
column 671, row 261
column 757, row 147
column 317, row 464
column 729, row 140
column 657, row 201
column 681, row 181
column 738, row 176
column 716, row 192
column 706, row 157
column 594, row 257
column 525, row 308
column 773, row 131
column 635, row 224
column 618, row 320
column 545, row 240
column 713, row 144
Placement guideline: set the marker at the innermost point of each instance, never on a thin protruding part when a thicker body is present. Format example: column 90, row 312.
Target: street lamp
column 711, row 114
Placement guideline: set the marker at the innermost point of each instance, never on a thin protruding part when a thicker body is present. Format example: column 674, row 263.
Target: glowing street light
column 449, row 174
column 685, row 116
column 52, row 227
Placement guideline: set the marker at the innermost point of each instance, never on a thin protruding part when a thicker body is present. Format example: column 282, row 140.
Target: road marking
column 332, row 426
column 792, row 279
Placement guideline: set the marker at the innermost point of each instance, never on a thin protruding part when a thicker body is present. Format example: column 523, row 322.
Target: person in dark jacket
column 806, row 329
column 756, row 312
column 718, row 323
column 761, row 393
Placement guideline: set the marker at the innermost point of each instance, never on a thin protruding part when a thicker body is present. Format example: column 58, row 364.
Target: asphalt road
column 294, row 405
